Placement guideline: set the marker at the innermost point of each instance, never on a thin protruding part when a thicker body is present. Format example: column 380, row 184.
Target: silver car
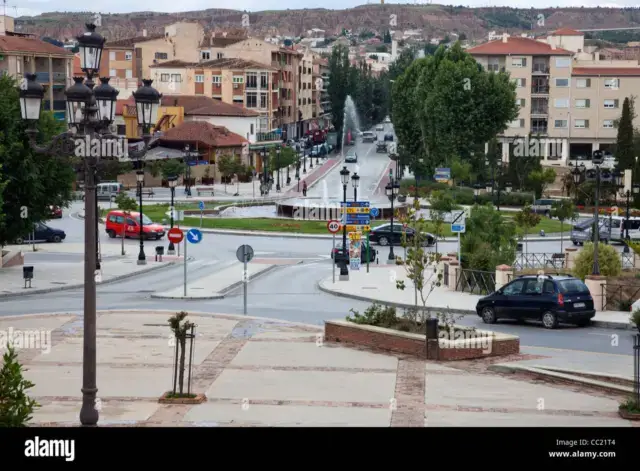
column 583, row 232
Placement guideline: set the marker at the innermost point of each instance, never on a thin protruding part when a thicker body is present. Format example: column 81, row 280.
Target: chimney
column 505, row 36
column 144, row 33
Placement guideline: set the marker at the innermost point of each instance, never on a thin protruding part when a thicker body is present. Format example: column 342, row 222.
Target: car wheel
column 112, row 234
column 549, row 320
column 583, row 323
column 383, row 241
column 19, row 241
column 489, row 315
column 56, row 239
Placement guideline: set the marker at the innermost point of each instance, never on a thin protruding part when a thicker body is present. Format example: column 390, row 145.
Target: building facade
column 305, row 92
column 568, row 97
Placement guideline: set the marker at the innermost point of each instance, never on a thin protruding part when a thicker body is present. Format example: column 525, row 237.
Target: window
column 177, row 78
column 521, row 102
column 520, row 83
column 112, row 55
column 573, row 286
column 581, row 123
column 216, row 79
column 199, row 78
column 562, row 82
column 252, row 100
column 583, row 83
column 563, row 62
column 251, row 130
column 263, row 101
column 519, row 62
column 205, row 55
column 518, row 123
column 607, row 123
column 164, row 77
column 252, row 80
column 583, row 103
column 560, row 123
column 128, row 56
column 112, row 72
column 514, row 288
column 220, row 55
column 561, row 103
column 238, row 79
column 611, row 103
column 129, row 73
column 613, row 84
column 161, row 55
column 263, row 123
column 533, row 286
column 264, row 80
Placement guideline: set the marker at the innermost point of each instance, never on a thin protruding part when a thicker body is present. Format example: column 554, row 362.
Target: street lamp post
column 392, row 189
column 278, row 165
column 298, row 173
column 344, row 175
column 355, row 181
column 90, row 112
column 635, row 189
column 304, row 161
column 187, row 173
column 173, row 181
column 476, row 192
column 142, row 260
column 264, row 186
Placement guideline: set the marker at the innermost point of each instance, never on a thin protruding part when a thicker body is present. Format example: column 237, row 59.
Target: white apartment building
column 567, row 95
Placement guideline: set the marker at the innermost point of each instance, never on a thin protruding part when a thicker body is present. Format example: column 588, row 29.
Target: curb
column 80, row 285
column 463, row 312
column 221, row 294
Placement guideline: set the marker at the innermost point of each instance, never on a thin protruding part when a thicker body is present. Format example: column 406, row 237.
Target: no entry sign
column 175, row 235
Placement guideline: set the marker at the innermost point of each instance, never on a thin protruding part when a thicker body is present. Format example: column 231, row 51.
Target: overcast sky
column 35, row 7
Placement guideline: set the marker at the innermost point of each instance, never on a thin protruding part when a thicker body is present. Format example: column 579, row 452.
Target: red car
column 118, row 221
column 56, row 212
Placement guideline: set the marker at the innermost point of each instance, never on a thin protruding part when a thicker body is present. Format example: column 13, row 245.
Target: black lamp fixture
column 278, row 170
column 355, row 181
column 344, row 176
column 142, row 259
column 392, row 189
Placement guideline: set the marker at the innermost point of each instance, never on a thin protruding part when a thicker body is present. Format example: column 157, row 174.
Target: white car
column 380, row 127
column 387, row 120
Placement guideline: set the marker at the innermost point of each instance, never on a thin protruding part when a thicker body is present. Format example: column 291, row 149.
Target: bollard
column 159, row 253
column 432, row 342
column 27, row 274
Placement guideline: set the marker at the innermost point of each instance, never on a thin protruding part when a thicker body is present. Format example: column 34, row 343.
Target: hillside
column 435, row 20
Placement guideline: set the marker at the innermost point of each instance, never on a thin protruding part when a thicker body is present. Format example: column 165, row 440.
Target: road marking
column 580, row 351
column 264, row 253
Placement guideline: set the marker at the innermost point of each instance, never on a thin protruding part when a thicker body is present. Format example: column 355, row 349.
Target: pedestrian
column 304, row 188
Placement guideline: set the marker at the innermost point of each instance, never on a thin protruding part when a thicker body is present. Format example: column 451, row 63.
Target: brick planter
column 199, row 399
column 629, row 415
column 488, row 344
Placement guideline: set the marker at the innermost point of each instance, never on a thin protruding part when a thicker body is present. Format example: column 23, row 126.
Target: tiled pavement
column 260, row 372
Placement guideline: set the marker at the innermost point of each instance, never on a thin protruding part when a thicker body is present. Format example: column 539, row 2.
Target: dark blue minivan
column 42, row 233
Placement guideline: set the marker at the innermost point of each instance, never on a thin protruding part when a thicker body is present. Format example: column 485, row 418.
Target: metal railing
column 628, row 260
column 476, row 281
column 540, row 90
column 47, row 77
column 528, row 261
column 539, row 129
column 540, row 69
column 540, row 110
column 617, row 297
column 268, row 136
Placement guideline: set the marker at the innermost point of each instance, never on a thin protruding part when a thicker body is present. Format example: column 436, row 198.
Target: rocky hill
column 434, row 20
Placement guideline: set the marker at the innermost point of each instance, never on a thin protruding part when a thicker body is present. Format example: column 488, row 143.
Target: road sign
column 358, row 228
column 375, row 212
column 194, row 236
column 442, row 175
column 458, row 228
column 333, row 226
column 175, row 235
column 355, row 236
column 355, row 204
column 201, row 205
column 244, row 253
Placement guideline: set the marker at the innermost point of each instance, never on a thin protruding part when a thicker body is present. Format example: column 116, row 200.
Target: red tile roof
column 517, row 46
column 566, row 32
column 203, row 133
column 31, row 45
column 174, row 64
column 197, row 105
column 128, row 43
column 233, row 63
column 606, row 71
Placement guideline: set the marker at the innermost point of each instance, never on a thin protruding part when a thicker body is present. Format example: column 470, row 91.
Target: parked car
column 368, row 136
column 581, row 232
column 548, row 298
column 109, row 190
column 381, row 147
column 337, row 254
column 619, row 228
column 351, row 157
column 319, row 150
column 42, row 233
column 117, row 222
column 388, row 137
column 382, row 235
column 380, row 127
column 56, row 212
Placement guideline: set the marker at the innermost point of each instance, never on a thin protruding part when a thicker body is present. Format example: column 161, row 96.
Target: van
column 117, row 222
column 109, row 190
column 368, row 136
column 619, row 228
column 581, row 232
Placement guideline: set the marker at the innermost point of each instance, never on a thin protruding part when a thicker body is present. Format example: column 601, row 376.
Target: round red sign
column 175, row 235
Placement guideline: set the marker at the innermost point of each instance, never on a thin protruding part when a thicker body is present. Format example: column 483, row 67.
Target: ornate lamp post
column 392, row 190
column 187, row 173
column 278, row 165
column 173, row 181
column 90, row 111
column 298, row 172
column 264, row 186
column 355, row 181
column 142, row 259
column 344, row 176
column 304, row 161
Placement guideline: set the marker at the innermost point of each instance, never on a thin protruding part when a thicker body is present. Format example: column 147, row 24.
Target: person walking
column 304, row 188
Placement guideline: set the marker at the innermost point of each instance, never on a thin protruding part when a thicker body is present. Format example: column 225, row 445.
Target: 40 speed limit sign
column 333, row 226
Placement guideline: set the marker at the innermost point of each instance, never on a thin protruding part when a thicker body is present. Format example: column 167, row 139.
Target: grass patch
column 548, row 225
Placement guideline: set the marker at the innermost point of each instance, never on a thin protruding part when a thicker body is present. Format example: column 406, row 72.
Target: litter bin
column 27, row 274
column 432, row 328
column 159, row 253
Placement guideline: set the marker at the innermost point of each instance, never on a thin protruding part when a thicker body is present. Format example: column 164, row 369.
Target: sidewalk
column 379, row 286
column 261, row 372
column 49, row 277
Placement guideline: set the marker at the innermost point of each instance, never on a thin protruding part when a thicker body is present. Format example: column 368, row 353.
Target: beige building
column 22, row 54
column 305, row 92
column 285, row 60
column 569, row 97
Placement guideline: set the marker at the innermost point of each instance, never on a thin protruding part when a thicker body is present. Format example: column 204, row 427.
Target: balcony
column 540, row 90
column 268, row 136
column 54, row 77
column 495, row 68
column 541, row 110
column 58, row 105
column 540, row 69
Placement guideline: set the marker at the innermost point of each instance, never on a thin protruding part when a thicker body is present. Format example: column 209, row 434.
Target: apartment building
column 305, row 92
column 325, row 102
column 22, row 54
column 129, row 60
column 565, row 92
column 285, row 60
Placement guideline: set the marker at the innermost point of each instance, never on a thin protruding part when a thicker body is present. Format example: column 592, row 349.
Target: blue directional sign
column 458, row 228
column 375, row 212
column 194, row 236
column 201, row 205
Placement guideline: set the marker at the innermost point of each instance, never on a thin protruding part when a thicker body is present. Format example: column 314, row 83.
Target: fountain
column 353, row 123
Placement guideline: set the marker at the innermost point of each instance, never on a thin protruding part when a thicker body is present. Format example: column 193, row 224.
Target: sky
column 36, row 7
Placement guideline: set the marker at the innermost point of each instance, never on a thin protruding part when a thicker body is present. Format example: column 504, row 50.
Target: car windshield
column 573, row 286
column 145, row 220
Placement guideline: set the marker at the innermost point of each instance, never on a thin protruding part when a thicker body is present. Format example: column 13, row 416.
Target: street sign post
column 201, row 206
column 175, row 235
column 458, row 225
column 194, row 236
column 334, row 227
column 357, row 218
column 245, row 254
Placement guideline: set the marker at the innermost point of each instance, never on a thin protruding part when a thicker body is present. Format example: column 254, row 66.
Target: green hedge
column 464, row 195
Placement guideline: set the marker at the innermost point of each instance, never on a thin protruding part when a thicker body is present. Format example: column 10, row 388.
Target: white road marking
column 264, row 253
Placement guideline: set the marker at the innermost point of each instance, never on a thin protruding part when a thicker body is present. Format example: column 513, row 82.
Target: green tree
column 16, row 407
column 488, row 240
column 126, row 204
column 609, row 261
column 564, row 210
column 460, row 171
column 227, row 166
column 526, row 219
column 625, row 147
column 402, row 63
column 30, row 180
column 171, row 168
column 180, row 327
column 338, row 88
column 539, row 180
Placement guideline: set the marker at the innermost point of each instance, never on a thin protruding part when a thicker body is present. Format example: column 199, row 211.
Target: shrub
column 376, row 314
column 635, row 317
column 608, row 258
column 15, row 406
